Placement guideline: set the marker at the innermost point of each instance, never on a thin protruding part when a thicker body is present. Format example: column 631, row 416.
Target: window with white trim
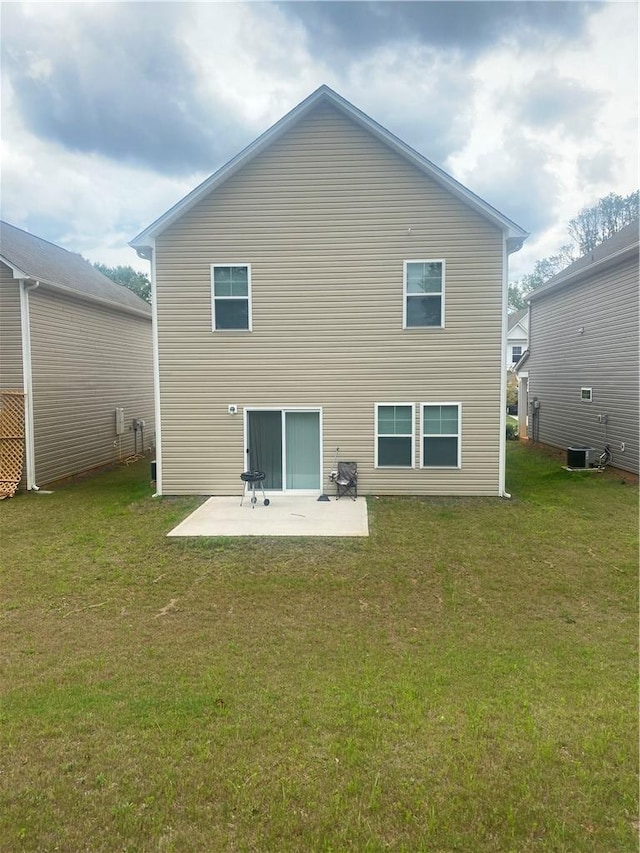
column 586, row 395
column 231, row 297
column 394, row 435
column 441, row 435
column 423, row 289
column 516, row 353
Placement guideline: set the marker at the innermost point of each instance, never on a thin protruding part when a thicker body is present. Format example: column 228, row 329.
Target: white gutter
column 27, row 378
column 156, row 370
column 561, row 278
column 142, row 241
column 77, row 294
column 502, row 464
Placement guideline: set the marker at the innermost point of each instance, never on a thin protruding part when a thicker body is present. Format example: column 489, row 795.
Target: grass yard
column 463, row 680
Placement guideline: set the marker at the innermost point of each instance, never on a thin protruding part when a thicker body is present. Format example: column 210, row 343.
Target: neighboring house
column 78, row 347
column 323, row 290
column 579, row 378
column 517, row 336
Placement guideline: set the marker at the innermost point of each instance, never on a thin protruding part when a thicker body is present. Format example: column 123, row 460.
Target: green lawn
column 463, row 680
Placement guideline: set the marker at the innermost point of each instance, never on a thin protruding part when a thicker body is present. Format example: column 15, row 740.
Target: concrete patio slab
column 286, row 515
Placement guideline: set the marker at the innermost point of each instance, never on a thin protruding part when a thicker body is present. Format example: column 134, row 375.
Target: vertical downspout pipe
column 156, row 371
column 27, row 377
column 502, row 465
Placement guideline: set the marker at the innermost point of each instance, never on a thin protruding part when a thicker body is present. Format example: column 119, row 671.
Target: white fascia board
column 143, row 240
column 518, row 331
column 17, row 272
column 89, row 297
column 515, row 235
column 560, row 280
column 76, row 294
column 512, row 231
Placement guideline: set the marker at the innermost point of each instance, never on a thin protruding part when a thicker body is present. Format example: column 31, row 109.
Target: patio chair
column 347, row 480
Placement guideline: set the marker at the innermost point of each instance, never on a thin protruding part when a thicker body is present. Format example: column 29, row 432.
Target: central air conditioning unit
column 579, row 458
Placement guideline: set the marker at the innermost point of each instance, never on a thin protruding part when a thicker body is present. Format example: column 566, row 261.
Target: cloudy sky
column 111, row 112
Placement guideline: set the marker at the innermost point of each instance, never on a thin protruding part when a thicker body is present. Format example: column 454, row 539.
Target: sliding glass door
column 302, row 446
column 264, row 434
column 285, row 444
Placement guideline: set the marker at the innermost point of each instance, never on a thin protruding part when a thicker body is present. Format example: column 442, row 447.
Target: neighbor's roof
column 32, row 258
column 622, row 244
column 143, row 241
column 514, row 319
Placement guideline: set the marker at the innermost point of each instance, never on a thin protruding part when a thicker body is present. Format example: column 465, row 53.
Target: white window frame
column 587, row 399
column 405, row 295
column 457, row 435
column 514, row 347
column 395, row 435
column 214, row 298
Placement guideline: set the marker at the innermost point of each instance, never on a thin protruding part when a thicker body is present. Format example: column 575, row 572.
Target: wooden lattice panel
column 11, row 441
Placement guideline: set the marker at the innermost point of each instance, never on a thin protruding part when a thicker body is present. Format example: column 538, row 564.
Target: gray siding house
column 317, row 298
column 579, row 379
column 77, row 347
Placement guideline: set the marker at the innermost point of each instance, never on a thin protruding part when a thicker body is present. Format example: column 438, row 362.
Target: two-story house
column 578, row 381
column 76, row 367
column 319, row 296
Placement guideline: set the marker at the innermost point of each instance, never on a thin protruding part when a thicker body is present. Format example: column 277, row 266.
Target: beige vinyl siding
column 326, row 216
column 604, row 357
column 11, row 376
column 86, row 361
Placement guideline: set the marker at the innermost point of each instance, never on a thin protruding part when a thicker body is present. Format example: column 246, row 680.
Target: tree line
column 136, row 281
column 592, row 226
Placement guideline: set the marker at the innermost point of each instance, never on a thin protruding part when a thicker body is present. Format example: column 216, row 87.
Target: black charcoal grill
column 250, row 480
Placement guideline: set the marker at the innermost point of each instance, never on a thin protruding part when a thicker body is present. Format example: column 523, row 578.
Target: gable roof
column 31, row 257
column 622, row 244
column 514, row 319
column 143, row 242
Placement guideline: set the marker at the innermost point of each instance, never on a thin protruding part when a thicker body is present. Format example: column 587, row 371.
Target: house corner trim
column 27, row 378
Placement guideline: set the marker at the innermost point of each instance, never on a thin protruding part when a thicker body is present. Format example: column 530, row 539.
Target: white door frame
column 283, row 409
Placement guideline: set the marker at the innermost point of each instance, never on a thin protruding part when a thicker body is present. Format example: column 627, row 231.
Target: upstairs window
column 516, row 353
column 231, row 297
column 394, row 435
column 441, row 435
column 423, row 294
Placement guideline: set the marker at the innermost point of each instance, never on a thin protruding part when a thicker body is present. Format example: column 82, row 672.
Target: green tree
column 592, row 226
column 136, row 281
column 516, row 297
column 546, row 268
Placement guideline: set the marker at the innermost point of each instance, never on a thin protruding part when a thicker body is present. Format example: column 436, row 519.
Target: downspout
column 156, row 371
column 27, row 378
column 502, row 466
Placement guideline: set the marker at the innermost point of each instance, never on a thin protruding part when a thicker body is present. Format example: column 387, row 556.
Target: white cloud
column 250, row 57
column 99, row 204
column 252, row 62
column 605, row 63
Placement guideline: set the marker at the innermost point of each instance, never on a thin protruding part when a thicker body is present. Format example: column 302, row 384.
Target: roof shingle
column 43, row 261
